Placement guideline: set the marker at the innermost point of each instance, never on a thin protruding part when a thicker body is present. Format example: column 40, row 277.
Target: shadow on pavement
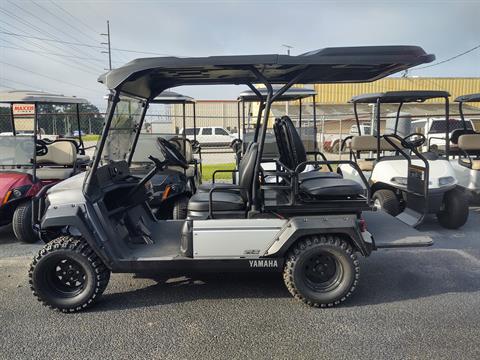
column 385, row 278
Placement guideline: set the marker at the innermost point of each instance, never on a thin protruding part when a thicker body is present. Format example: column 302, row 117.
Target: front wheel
column 22, row 223
column 454, row 213
column 321, row 271
column 386, row 200
column 67, row 275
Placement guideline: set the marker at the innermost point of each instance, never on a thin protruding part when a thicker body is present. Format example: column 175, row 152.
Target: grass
column 207, row 171
column 91, row 137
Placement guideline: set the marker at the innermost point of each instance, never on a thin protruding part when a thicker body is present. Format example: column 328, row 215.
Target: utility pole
column 288, row 47
column 109, row 52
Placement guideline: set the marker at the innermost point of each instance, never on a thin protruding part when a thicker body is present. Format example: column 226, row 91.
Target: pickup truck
column 210, row 136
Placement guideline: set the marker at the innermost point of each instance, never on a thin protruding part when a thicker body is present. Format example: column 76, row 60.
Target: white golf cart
column 406, row 182
column 466, row 159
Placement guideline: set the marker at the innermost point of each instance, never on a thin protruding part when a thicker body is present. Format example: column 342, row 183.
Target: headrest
column 59, row 153
column 469, row 142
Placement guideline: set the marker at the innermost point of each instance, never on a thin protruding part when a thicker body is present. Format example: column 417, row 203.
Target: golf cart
column 406, row 182
column 312, row 230
column 30, row 160
column 466, row 160
column 174, row 185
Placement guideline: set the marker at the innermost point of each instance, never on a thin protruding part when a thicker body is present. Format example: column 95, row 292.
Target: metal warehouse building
column 333, row 110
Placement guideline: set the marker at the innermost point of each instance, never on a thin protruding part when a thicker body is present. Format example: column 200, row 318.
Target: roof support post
column 315, row 143
column 137, row 134
column 355, row 111
column 447, row 127
column 397, row 118
column 378, row 116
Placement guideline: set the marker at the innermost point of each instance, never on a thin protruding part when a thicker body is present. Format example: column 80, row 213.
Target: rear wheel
column 180, row 208
column 22, row 223
column 321, row 271
column 67, row 275
column 387, row 201
column 454, row 213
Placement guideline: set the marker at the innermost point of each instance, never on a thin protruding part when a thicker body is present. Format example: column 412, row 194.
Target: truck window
column 190, row 131
column 207, row 131
column 220, row 131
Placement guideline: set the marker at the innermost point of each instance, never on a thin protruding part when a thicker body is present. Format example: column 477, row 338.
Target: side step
column 410, row 217
column 390, row 233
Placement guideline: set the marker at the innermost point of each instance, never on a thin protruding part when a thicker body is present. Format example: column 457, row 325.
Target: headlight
column 402, row 181
column 446, row 180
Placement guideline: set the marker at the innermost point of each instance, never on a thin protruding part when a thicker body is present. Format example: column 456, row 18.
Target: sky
column 29, row 59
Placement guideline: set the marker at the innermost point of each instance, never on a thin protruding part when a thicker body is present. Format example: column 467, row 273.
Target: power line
column 39, row 29
column 47, row 77
column 30, row 25
column 22, row 83
column 48, row 53
column 81, row 44
column 74, row 64
column 59, row 18
column 449, row 59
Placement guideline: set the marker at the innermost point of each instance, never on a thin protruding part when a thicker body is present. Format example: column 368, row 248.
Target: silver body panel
column 234, row 238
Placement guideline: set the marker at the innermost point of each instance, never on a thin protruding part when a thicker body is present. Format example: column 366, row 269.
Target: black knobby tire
column 388, row 201
column 22, row 223
column 180, row 208
column 67, row 275
column 455, row 209
column 328, row 287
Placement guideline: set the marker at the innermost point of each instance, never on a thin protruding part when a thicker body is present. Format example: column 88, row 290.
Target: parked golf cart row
column 310, row 225
column 29, row 161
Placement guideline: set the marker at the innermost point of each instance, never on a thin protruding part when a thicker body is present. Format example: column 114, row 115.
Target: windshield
column 125, row 122
column 439, row 126
column 16, row 150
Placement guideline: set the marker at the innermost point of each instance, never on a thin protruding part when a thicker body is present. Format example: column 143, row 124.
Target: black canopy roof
column 399, row 96
column 148, row 77
column 289, row 95
column 468, row 98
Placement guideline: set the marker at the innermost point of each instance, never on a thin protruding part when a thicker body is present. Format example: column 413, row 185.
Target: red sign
column 23, row 109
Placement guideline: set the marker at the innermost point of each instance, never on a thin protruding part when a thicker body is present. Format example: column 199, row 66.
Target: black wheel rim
column 66, row 277
column 322, row 272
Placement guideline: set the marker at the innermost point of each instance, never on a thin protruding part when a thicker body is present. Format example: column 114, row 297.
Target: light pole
column 288, row 47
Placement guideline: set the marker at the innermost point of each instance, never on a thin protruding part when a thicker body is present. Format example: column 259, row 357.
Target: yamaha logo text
column 263, row 263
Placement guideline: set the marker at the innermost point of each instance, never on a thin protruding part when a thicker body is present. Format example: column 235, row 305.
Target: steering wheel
column 414, row 143
column 172, row 155
column 195, row 146
column 236, row 145
column 41, row 147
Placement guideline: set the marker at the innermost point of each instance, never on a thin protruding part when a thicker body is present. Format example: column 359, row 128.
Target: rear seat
column 59, row 162
column 312, row 183
column 470, row 144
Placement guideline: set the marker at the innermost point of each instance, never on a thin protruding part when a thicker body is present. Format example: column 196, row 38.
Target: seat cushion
column 209, row 186
column 475, row 164
column 309, row 175
column 53, row 173
column 222, row 201
column 365, row 165
column 331, row 187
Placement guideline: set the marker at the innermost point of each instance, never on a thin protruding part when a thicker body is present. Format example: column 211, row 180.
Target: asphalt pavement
column 421, row 303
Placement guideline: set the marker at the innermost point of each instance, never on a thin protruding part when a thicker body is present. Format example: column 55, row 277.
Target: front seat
column 227, row 203
column 313, row 183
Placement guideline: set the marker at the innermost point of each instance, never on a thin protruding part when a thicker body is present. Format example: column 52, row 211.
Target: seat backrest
column 294, row 145
column 469, row 142
column 282, row 145
column 246, row 169
column 186, row 150
column 369, row 143
column 63, row 153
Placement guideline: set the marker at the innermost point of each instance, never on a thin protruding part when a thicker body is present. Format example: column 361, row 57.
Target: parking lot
column 410, row 304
